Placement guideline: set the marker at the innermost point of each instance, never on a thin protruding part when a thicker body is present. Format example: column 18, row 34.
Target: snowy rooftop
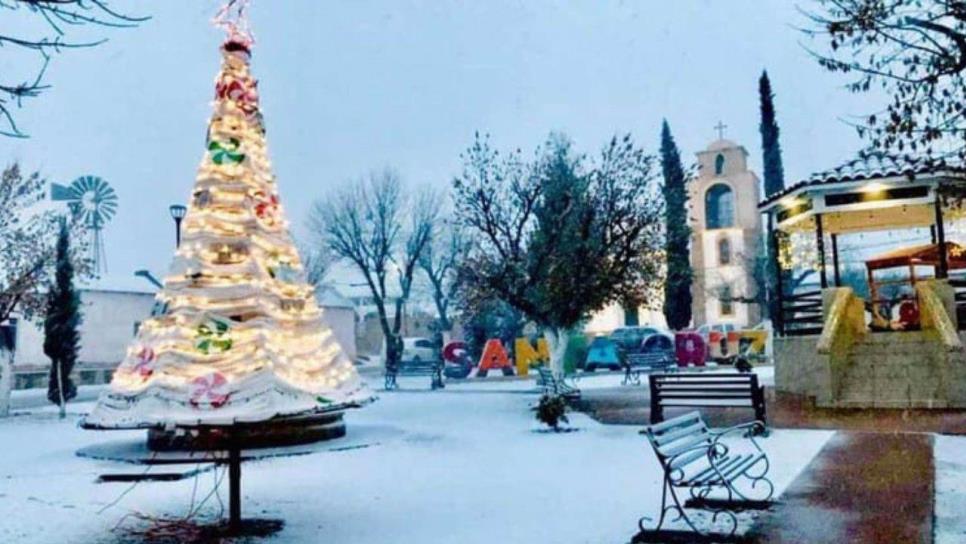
column 118, row 283
column 869, row 167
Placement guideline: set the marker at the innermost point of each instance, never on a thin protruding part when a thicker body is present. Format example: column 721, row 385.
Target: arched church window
column 719, row 207
column 726, row 301
column 719, row 164
column 724, row 251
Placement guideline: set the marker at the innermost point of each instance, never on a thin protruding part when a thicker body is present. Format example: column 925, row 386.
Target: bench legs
column 735, row 502
column 702, row 493
column 437, row 379
column 631, row 376
column 390, row 381
column 758, row 399
column 657, row 411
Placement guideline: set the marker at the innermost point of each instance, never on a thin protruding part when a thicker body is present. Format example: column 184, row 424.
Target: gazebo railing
column 802, row 313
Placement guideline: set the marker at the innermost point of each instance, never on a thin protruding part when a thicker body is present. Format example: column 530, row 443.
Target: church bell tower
column 726, row 236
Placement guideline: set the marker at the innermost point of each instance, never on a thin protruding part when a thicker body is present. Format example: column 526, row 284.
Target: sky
column 352, row 86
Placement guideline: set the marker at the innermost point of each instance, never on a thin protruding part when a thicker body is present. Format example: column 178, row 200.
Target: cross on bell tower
column 720, row 127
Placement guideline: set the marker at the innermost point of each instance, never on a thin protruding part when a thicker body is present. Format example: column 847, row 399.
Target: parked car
column 418, row 350
column 628, row 339
column 658, row 342
column 706, row 329
column 602, row 352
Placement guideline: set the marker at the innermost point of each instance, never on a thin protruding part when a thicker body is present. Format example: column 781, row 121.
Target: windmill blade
column 83, row 184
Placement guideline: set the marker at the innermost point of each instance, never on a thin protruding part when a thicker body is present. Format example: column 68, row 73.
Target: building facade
column 110, row 320
column 727, row 236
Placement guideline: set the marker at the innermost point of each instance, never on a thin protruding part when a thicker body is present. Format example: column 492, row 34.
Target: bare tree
column 383, row 233
column 563, row 236
column 56, row 16
column 27, row 250
column 440, row 262
column 914, row 50
column 317, row 260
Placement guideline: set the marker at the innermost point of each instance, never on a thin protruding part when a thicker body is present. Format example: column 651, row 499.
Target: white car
column 418, row 350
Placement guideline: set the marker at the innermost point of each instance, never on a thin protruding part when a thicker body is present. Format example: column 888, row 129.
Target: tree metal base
column 279, row 432
column 725, row 504
column 666, row 536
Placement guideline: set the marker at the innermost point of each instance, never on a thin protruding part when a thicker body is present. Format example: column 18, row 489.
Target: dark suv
column 628, row 339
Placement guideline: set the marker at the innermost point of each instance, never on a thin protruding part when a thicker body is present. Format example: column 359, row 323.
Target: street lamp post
column 177, row 213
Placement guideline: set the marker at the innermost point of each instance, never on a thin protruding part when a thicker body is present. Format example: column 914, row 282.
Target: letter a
column 494, row 357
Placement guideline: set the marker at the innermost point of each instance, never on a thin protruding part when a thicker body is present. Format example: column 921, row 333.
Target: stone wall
column 955, row 377
column 799, row 368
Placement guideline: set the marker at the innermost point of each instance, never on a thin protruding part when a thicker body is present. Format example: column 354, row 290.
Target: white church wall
column 612, row 317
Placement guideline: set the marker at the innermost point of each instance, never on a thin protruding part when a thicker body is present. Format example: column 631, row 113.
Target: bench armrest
column 750, row 426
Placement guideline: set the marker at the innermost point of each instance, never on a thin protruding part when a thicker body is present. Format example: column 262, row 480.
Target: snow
column 950, row 458
column 37, row 397
column 449, row 466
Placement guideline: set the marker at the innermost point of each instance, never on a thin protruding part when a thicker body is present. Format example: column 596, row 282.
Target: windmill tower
column 92, row 202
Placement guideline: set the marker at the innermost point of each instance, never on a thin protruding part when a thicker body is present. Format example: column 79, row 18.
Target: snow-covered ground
column 450, row 466
column 37, row 398
column 950, row 452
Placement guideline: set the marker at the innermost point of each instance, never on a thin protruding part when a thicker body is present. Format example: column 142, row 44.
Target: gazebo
column 824, row 347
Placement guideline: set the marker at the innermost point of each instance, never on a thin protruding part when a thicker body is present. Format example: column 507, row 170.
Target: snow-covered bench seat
column 693, row 457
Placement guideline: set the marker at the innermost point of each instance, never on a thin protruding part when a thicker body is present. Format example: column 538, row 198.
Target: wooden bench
column 552, row 386
column 693, row 457
column 636, row 363
column 434, row 369
column 708, row 390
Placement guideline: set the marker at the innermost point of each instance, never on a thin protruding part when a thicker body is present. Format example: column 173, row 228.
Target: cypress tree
column 774, row 181
column 61, row 337
column 677, row 286
column 771, row 149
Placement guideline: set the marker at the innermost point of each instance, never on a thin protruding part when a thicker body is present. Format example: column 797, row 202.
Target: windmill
column 92, row 202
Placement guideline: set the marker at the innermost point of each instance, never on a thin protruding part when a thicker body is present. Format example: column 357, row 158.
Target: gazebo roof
column 919, row 255
column 870, row 167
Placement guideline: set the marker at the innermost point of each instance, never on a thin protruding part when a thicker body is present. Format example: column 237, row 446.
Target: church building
column 726, row 237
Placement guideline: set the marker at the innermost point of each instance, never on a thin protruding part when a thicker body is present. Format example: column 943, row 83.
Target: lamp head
column 177, row 211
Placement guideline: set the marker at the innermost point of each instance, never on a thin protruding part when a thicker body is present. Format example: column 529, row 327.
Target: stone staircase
column 894, row 370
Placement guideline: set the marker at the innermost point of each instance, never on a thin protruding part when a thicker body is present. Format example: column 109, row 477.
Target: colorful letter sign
column 525, row 355
column 494, row 357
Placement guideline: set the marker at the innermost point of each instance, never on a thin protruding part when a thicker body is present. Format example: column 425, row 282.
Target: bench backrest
column 653, row 358
column 705, row 389
column 679, row 441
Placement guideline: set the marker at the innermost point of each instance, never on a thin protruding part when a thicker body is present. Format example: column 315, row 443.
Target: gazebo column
column 779, row 294
column 835, row 260
column 820, row 245
column 941, row 240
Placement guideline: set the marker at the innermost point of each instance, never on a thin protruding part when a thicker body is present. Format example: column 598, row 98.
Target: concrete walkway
column 862, row 487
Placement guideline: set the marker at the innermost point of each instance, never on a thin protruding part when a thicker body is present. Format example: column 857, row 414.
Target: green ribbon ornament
column 226, row 152
column 213, row 336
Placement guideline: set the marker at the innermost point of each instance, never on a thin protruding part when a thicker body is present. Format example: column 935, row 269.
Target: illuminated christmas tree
column 236, row 336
